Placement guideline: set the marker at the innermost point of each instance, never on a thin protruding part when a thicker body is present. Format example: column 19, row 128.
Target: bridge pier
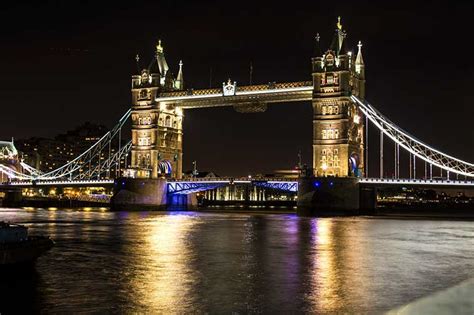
column 12, row 197
column 139, row 194
column 328, row 196
column 332, row 196
column 148, row 194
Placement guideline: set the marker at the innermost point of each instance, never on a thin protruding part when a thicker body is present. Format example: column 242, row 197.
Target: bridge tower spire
column 338, row 139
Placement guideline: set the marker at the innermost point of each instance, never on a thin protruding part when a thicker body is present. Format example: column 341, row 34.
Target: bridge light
column 317, row 184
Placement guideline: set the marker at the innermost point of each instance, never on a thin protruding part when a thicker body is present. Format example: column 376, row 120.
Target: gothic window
column 325, row 136
column 323, row 109
column 330, row 110
column 336, row 110
column 160, row 123
column 144, row 141
column 148, row 160
column 139, row 120
column 168, row 121
column 330, row 60
column 336, row 134
column 330, row 79
column 331, row 134
column 143, row 94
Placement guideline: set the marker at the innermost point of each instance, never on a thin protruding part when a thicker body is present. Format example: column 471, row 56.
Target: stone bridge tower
column 338, row 127
column 156, row 128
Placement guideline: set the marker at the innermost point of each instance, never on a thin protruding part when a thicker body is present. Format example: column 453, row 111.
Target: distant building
column 189, row 174
column 48, row 154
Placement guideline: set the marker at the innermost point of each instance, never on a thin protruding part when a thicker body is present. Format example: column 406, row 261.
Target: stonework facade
column 338, row 127
column 157, row 148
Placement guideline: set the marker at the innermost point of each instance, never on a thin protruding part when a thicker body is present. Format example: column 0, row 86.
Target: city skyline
column 65, row 80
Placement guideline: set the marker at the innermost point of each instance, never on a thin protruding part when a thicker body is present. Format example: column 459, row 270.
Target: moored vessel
column 16, row 247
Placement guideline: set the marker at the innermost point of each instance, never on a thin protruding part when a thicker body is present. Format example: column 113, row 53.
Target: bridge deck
column 245, row 95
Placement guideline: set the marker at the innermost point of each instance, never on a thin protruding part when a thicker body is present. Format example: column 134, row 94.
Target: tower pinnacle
column 359, row 59
column 339, row 25
column 179, row 83
column 159, row 48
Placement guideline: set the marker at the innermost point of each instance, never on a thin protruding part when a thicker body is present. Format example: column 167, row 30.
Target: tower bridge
column 152, row 161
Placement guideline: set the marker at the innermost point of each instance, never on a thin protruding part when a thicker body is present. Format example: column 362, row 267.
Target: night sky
column 68, row 62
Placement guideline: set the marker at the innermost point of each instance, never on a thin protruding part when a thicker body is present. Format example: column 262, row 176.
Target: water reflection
column 161, row 263
column 153, row 262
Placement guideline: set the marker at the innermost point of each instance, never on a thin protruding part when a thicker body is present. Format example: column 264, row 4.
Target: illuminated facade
column 156, row 128
column 338, row 130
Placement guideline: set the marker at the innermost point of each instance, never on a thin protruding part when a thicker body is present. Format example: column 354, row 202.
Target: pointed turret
column 359, row 62
column 343, row 50
column 160, row 59
column 179, row 83
column 338, row 38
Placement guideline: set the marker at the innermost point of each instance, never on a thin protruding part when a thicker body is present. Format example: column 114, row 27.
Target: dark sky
column 66, row 62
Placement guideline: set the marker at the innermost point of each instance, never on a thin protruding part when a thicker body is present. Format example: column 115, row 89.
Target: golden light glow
column 325, row 277
column 164, row 285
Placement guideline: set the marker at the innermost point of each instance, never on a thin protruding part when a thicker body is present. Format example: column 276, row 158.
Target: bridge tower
column 156, row 127
column 338, row 127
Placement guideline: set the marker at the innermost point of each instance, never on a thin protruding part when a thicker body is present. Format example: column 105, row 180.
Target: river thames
column 208, row 262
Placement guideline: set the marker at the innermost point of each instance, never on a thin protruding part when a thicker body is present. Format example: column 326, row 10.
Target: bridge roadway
column 187, row 186
column 240, row 95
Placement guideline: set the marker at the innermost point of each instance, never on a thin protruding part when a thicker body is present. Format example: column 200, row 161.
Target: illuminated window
column 143, row 94
column 323, row 109
column 336, row 134
column 325, row 136
column 168, row 121
column 330, row 79
column 144, row 141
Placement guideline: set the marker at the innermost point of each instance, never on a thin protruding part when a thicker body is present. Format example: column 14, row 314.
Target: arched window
column 336, row 110
column 323, row 109
column 330, row 79
column 325, row 136
column 168, row 121
column 336, row 134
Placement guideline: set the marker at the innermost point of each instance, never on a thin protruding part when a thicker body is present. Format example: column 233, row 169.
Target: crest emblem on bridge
column 229, row 88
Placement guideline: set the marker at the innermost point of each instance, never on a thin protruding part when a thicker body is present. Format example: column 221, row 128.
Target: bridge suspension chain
column 413, row 145
column 74, row 168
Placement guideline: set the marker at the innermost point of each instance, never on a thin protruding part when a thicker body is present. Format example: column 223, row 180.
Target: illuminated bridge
column 341, row 143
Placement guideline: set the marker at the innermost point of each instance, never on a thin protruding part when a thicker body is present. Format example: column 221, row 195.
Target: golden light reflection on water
column 162, row 282
column 325, row 280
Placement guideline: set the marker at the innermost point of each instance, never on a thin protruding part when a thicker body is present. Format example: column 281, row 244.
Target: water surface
column 194, row 262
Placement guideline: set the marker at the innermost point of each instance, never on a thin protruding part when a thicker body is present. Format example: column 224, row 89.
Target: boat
column 18, row 248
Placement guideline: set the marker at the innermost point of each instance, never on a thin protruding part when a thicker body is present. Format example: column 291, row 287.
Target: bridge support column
column 13, row 198
column 328, row 196
column 139, row 194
